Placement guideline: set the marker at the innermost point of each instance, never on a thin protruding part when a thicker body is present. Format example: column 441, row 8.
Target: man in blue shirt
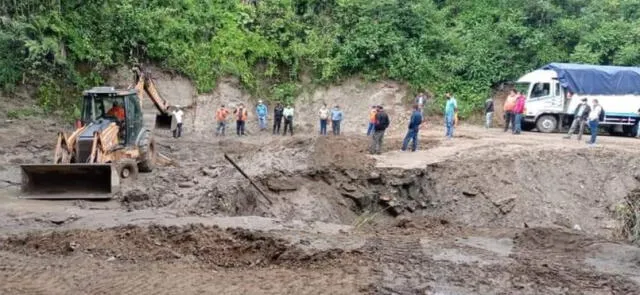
column 449, row 114
column 336, row 118
column 261, row 111
column 414, row 127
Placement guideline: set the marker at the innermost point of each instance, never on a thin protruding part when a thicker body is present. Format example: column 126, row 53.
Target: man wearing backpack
column 380, row 125
column 595, row 116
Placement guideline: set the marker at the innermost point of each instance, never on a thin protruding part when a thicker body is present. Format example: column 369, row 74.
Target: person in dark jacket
column 488, row 112
column 580, row 116
column 381, row 124
column 414, row 127
column 277, row 118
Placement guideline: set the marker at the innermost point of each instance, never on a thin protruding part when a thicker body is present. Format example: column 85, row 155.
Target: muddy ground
column 485, row 213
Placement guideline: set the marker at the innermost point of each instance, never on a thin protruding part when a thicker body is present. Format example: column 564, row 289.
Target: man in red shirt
column 518, row 111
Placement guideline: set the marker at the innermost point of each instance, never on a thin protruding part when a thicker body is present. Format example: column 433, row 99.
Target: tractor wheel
column 127, row 169
column 147, row 149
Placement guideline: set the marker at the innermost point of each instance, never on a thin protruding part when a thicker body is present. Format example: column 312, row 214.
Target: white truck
column 554, row 91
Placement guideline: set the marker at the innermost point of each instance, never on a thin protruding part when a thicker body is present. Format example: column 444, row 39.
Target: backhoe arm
column 145, row 84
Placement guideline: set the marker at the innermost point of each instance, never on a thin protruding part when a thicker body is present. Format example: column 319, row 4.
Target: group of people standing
column 241, row 114
column 586, row 115
column 332, row 116
column 513, row 110
column 379, row 121
column 280, row 113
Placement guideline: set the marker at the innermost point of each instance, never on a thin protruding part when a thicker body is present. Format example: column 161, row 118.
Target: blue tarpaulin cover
column 597, row 80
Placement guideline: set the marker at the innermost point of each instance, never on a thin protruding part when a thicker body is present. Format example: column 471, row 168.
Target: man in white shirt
column 324, row 118
column 595, row 116
column 288, row 119
column 178, row 114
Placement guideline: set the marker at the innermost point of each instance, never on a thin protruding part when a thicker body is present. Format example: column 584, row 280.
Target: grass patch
column 628, row 214
column 22, row 113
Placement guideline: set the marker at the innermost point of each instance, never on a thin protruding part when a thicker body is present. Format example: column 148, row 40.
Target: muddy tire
column 147, row 153
column 547, row 124
column 127, row 169
column 629, row 130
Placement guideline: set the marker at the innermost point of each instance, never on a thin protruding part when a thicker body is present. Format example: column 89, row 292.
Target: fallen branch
column 248, row 178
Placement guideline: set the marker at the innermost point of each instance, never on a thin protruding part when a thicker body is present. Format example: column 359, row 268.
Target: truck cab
column 554, row 91
column 546, row 99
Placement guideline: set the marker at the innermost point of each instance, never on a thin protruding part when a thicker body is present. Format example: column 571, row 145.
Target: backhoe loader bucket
column 69, row 181
column 164, row 122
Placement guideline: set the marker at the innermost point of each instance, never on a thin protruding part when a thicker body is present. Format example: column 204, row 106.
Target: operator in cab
column 116, row 111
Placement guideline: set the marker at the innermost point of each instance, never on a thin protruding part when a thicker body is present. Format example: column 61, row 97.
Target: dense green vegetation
column 463, row 46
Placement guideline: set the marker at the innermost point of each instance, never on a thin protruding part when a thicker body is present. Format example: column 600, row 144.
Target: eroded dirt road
column 485, row 213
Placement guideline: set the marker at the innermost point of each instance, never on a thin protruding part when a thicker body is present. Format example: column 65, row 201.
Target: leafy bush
column 464, row 47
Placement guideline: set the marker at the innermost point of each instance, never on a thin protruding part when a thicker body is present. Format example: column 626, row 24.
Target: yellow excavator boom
column 144, row 85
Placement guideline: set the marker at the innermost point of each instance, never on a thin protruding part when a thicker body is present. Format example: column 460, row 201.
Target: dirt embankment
column 206, row 245
column 332, row 180
column 412, row 256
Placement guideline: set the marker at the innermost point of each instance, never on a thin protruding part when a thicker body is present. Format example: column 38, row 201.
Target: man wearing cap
column 580, row 116
column 261, row 111
column 177, row 114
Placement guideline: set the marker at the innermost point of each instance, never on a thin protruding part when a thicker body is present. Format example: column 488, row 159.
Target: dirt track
column 485, row 213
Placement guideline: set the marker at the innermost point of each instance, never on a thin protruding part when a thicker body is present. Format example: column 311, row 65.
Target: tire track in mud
column 85, row 275
column 206, row 260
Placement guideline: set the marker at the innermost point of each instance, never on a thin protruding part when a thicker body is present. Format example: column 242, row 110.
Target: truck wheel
column 547, row 124
column 147, row 149
column 628, row 130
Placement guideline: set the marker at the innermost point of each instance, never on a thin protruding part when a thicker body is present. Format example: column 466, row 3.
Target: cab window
column 541, row 90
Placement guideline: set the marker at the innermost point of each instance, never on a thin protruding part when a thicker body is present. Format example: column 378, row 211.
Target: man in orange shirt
column 372, row 119
column 221, row 118
column 116, row 111
column 241, row 118
column 509, row 104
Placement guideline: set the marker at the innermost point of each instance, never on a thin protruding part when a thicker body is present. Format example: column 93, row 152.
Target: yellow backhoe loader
column 111, row 144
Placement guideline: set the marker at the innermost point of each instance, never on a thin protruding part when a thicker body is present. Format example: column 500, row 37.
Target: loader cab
column 97, row 104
